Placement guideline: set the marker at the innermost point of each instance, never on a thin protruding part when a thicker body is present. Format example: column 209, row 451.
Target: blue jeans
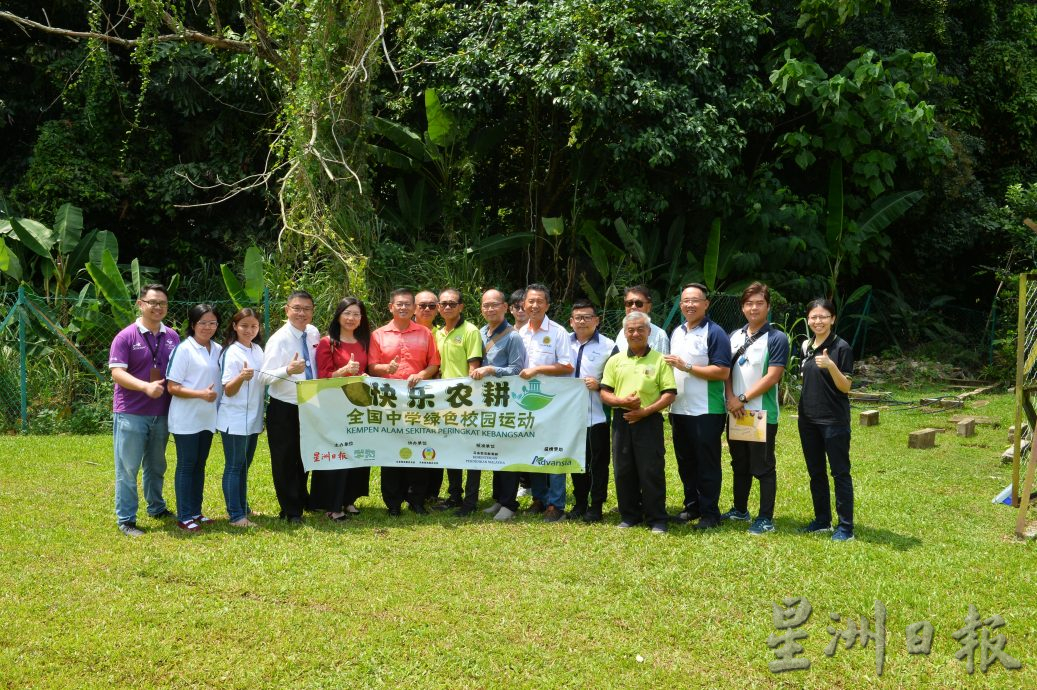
column 549, row 489
column 238, row 452
column 139, row 440
column 192, row 450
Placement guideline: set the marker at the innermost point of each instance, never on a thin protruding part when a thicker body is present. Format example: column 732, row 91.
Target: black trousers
column 820, row 440
column 401, row 484
column 282, row 435
column 750, row 460
column 696, row 444
column 639, row 465
column 435, row 483
column 469, row 496
column 505, row 489
column 594, row 483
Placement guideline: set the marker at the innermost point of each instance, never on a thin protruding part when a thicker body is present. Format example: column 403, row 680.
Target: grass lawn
column 441, row 601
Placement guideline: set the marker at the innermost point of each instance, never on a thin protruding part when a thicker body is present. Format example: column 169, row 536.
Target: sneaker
column 504, row 514
column 842, row 534
column 553, row 514
column 659, row 528
column 627, row 525
column 130, row 529
column 166, row 513
column 761, row 526
column 522, row 492
column 816, row 526
column 741, row 515
column 492, row 510
column 189, row 526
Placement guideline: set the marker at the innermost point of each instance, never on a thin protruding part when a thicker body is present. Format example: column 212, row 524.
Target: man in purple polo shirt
column 138, row 359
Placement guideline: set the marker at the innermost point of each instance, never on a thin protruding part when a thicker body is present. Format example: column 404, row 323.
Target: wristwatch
column 741, row 398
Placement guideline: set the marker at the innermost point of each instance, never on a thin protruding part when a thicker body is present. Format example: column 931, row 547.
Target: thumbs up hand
column 297, row 365
column 822, row 360
column 394, row 365
column 247, row 372
column 209, row 394
column 352, row 366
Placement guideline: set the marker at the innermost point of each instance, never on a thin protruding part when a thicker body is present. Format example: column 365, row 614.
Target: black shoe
column 537, row 506
column 166, row 513
column 686, row 516
column 464, row 511
column 575, row 514
column 592, row 515
column 295, row 520
column 447, row 504
column 394, row 512
column 708, row 523
column 417, row 508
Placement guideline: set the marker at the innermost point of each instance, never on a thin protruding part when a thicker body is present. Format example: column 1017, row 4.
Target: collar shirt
column 589, row 360
column 548, row 344
column 282, row 347
column 196, row 368
column 821, row 401
column 414, row 348
column 700, row 346
column 657, row 340
column 241, row 414
column 649, row 376
column 769, row 349
column 138, row 351
column 507, row 356
column 457, row 348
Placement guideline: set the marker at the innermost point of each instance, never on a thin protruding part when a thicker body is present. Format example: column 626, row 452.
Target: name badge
column 156, row 374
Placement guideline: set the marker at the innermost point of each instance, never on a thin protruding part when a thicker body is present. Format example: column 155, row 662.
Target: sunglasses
column 427, row 305
column 635, row 303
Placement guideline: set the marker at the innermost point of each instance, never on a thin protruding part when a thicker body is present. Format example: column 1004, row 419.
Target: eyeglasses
column 155, row 303
column 635, row 303
column 351, row 314
column 692, row 301
column 584, row 318
column 300, row 310
column 759, row 304
column 492, row 305
column 208, row 324
column 426, row 305
column 403, row 305
column 819, row 317
column 449, row 305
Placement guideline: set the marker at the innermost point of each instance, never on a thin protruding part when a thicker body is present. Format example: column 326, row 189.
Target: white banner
column 508, row 423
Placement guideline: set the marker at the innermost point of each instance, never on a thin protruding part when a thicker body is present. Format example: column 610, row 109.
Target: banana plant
column 250, row 293
column 116, row 290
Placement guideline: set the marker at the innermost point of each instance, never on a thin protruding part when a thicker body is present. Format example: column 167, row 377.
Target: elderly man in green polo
column 640, row 383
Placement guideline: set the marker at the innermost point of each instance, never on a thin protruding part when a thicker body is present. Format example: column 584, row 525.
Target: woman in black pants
column 824, row 420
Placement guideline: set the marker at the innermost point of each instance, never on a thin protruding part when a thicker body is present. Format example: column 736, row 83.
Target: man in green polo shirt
column 639, row 383
column 460, row 354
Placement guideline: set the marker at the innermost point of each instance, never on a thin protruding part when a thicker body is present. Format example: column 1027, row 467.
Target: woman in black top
column 824, row 420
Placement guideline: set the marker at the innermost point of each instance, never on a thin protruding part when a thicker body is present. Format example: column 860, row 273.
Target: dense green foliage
column 586, row 144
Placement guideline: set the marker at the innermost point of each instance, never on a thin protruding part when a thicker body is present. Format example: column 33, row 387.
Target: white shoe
column 522, row 492
column 504, row 514
column 492, row 510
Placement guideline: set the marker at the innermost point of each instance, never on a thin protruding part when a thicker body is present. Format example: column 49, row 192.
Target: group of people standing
column 700, row 374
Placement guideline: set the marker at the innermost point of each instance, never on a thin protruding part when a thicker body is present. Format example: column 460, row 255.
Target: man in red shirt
column 403, row 349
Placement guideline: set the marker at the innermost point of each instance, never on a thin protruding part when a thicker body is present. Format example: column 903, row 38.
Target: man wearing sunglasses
column 639, row 298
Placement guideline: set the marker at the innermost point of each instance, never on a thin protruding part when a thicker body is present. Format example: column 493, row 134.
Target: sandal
column 189, row 526
column 352, row 509
column 202, row 520
column 338, row 518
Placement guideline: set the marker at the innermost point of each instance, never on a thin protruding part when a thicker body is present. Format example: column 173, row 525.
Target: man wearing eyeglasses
column 460, row 354
column 138, row 359
column 590, row 350
column 701, row 360
column 504, row 355
column 290, row 356
column 639, row 298
column 403, row 349
column 426, row 306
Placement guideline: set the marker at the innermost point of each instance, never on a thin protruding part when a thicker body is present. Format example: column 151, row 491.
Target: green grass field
column 446, row 602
